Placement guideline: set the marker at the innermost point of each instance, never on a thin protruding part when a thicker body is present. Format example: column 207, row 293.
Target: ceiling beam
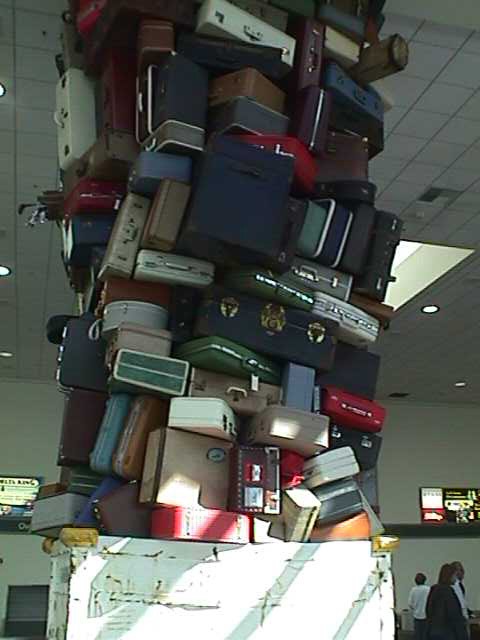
column 461, row 13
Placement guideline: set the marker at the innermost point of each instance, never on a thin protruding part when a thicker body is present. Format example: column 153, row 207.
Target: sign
column 458, row 506
column 17, row 495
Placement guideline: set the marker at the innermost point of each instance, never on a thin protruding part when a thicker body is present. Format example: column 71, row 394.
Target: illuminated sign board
column 458, row 506
column 17, row 495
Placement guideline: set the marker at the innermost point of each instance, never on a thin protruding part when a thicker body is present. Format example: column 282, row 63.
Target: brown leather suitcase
column 356, row 528
column 307, row 67
column 166, row 215
column 115, row 289
column 345, row 158
column 156, row 39
column 382, row 312
column 147, row 413
column 247, row 82
column 138, row 338
column 381, row 60
column 120, row 513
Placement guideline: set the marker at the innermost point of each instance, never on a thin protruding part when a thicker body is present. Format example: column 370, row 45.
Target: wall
column 30, row 421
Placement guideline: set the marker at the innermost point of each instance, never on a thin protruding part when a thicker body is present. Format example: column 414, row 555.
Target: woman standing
column 445, row 620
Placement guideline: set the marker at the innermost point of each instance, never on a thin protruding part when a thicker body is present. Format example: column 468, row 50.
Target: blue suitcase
column 114, row 420
column 85, row 232
column 152, row 167
column 297, row 386
column 87, row 517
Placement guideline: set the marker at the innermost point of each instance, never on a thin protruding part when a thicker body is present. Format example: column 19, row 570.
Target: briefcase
column 166, row 216
column 146, row 414
column 149, row 316
column 248, row 83
column 113, row 424
column 137, row 337
column 116, row 92
column 354, row 325
column 273, row 16
column 307, row 68
column 87, row 517
column 255, row 480
column 84, row 234
column 151, row 168
column 345, row 157
column 156, row 41
column 297, row 386
column 359, row 239
column 245, row 115
column 317, row 278
column 382, row 312
column 52, row 514
column 206, row 416
column 157, row 266
column 311, row 118
column 352, row 411
column 183, row 309
column 115, row 289
column 120, row 514
column 352, row 24
column 94, row 196
column 352, row 192
column 329, row 467
column 202, row 525
column 381, row 60
column 110, row 158
column 366, row 446
column 339, row 501
column 300, row 512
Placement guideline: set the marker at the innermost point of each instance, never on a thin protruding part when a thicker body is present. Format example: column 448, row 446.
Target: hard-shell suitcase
column 176, row 137
column 137, row 337
column 222, row 19
column 297, row 386
column 300, row 512
column 94, row 196
column 244, row 115
column 110, row 158
column 183, row 309
column 156, row 40
column 329, row 467
column 136, row 372
column 248, row 83
column 381, row 60
column 382, row 312
column 311, row 118
column 225, row 356
column 115, row 289
column 157, row 266
column 166, row 216
column 282, row 332
column 52, row 514
column 299, row 431
column 82, row 416
column 366, row 446
column 359, row 239
column 146, row 414
column 88, row 12
column 291, row 469
column 72, row 47
column 151, row 168
column 203, row 525
column 368, row 485
column 355, row 528
column 149, row 316
column 352, row 411
column 302, row 7
column 120, row 514
column 354, row 325
column 351, row 191
column 339, row 500
column 87, row 517
column 377, row 274
column 317, row 278
column 307, row 68
column 255, row 480
column 82, row 480
column 114, row 420
column 345, row 157
column 206, row 416
column 243, row 397
column 116, row 93
column 186, row 470
column 85, row 233
column 119, row 260
column 344, row 375
column 74, row 116
column 353, row 26
column 340, row 48
column 258, row 8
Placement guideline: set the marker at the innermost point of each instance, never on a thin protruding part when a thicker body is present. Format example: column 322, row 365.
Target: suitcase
column 114, row 421
column 305, row 165
column 291, row 469
column 176, row 137
column 185, row 470
column 382, row 312
column 74, row 116
column 317, row 278
column 206, row 416
column 151, row 168
column 222, row 19
column 339, row 501
column 297, row 386
column 353, row 26
column 366, row 446
column 300, row 512
column 203, row 525
column 52, row 514
column 82, row 416
column 110, row 159
column 260, row 182
column 88, row 13
column 47, row 490
column 71, row 46
column 381, row 60
column 116, row 92
column 310, row 37
column 268, row 286
column 298, row 431
column 120, row 514
column 311, row 117
column 271, row 15
column 348, row 361
column 243, row 397
column 329, row 467
column 157, row 266
column 359, row 239
column 115, row 289
column 219, row 56
column 94, row 196
column 345, row 157
column 245, row 115
column 351, row 191
column 156, row 41
column 55, row 327
column 248, row 83
column 355, row 528
column 352, row 411
column 302, row 7
column 83, row 480
column 136, row 372
column 255, row 480
column 87, row 517
column 147, row 413
column 224, row 356
column 377, row 274
column 166, row 215
column 355, row 327
column 284, row 333
column 85, row 233
column 137, row 337
column 368, row 485
column 183, row 309
column 149, row 316
column 340, row 48
column 124, row 243
column 325, row 232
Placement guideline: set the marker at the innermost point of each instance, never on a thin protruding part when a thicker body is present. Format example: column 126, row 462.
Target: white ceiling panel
column 442, row 35
column 471, row 109
column 399, row 190
column 427, row 61
column 55, row 7
column 41, row 33
column 6, row 25
column 442, row 154
column 385, row 169
column 420, row 173
column 405, row 25
column 35, row 94
column 36, row 121
column 421, row 124
column 6, row 61
column 460, row 131
column 462, row 70
column 472, row 45
column 403, row 147
column 393, row 117
column 35, row 64
column 457, row 179
column 7, row 142
column 394, row 206
column 37, row 144
column 7, row 117
column 406, row 90
column 444, row 98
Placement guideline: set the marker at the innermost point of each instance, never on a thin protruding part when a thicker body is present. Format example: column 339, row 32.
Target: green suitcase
column 302, row 7
column 83, row 480
column 269, row 286
column 224, row 356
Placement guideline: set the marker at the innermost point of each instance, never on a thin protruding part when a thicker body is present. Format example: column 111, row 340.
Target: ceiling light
column 3, row 89
column 430, row 308
column 460, row 384
column 6, row 354
column 4, row 271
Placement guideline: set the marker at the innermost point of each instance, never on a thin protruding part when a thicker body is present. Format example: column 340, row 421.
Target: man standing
column 459, row 589
column 417, row 601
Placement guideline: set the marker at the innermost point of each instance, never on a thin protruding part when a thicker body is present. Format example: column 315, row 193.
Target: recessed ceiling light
column 3, row 90
column 4, row 271
column 430, row 308
column 460, row 384
column 6, row 354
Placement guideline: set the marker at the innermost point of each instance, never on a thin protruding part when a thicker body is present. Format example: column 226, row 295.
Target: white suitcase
column 355, row 326
column 206, row 416
column 74, row 116
column 330, row 466
column 122, row 249
column 157, row 266
column 53, row 513
column 222, row 19
column 341, row 48
column 149, row 316
column 300, row 509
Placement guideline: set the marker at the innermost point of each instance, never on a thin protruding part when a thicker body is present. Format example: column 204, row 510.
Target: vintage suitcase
column 146, row 414
column 52, row 514
column 149, row 316
column 300, row 512
column 352, row 411
column 355, row 528
column 299, row 431
column 381, row 60
column 85, row 233
column 310, row 37
column 317, row 278
column 115, row 289
column 55, row 328
column 366, row 446
column 176, row 137
column 258, row 8
column 311, row 117
column 351, row 191
column 119, row 513
column 166, row 216
column 87, row 517
column 302, row 7
column 377, row 275
column 339, row 501
column 330, row 466
column 368, row 484
column 206, row 416
column 114, row 420
column 355, row 327
column 185, row 470
column 82, row 417
column 151, row 168
column 137, row 337
column 157, row 266
column 245, row 115
column 74, row 116
column 222, row 19
column 225, row 356
column 348, row 361
column 47, row 490
column 297, row 386
column 203, row 525
column 119, row 260
column 255, row 480
column 136, row 372
column 156, row 41
column 345, row 157
column 82, row 480
column 183, row 309
column 340, row 48
column 291, row 469
column 359, row 239
column 110, row 158
column 116, row 92
column 282, row 332
column 382, row 312
column 248, row 83
column 94, row 196
column 351, row 24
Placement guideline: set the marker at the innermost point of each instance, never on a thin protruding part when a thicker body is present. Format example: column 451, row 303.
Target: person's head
column 420, row 578
column 459, row 570
column 447, row 574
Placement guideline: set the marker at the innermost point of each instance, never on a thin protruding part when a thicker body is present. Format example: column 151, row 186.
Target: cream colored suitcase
column 206, row 416
column 166, row 215
column 137, row 337
column 156, row 266
column 341, row 48
column 332, row 465
column 300, row 509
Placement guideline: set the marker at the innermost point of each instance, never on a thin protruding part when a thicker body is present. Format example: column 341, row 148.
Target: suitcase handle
column 234, row 390
column 250, row 32
column 356, row 410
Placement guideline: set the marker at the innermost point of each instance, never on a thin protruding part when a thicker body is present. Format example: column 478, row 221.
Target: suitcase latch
column 252, row 34
column 356, row 410
column 366, row 443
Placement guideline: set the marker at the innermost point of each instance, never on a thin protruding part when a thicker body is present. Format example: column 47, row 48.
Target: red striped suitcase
column 94, row 196
column 352, row 411
column 116, row 98
column 204, row 525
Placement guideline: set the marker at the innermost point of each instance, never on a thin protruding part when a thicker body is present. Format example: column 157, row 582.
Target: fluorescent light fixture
column 417, row 266
column 3, row 89
column 4, row 271
column 6, row 354
column 430, row 308
column 460, row 384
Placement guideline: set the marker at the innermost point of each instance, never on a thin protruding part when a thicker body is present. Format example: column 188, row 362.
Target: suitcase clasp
column 257, row 36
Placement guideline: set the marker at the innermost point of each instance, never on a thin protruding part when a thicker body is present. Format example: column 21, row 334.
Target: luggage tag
column 254, row 382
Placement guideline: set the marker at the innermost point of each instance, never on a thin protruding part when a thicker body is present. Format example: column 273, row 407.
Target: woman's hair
column 446, row 574
column 420, row 578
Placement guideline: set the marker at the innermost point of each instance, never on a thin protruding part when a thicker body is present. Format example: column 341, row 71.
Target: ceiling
column 433, row 140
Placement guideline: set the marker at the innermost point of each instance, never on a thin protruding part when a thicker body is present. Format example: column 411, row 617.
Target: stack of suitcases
column 220, row 232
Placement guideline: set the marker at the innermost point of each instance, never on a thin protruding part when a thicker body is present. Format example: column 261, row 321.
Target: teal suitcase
column 113, row 424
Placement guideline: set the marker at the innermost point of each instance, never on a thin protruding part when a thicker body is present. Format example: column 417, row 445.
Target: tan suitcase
column 166, row 215
column 300, row 509
column 147, row 413
column 136, row 337
column 250, row 83
column 381, row 60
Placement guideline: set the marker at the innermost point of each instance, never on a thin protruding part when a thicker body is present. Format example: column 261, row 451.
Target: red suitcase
column 311, row 117
column 94, row 196
column 116, row 98
column 88, row 12
column 306, row 168
column 307, row 67
column 204, row 525
column 291, row 469
column 352, row 411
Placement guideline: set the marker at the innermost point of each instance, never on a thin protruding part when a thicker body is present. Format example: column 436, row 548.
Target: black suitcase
column 366, row 446
column 377, row 274
column 339, row 501
column 240, row 212
column 355, row 371
column 359, row 240
column 282, row 332
column 183, row 307
column 354, row 190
